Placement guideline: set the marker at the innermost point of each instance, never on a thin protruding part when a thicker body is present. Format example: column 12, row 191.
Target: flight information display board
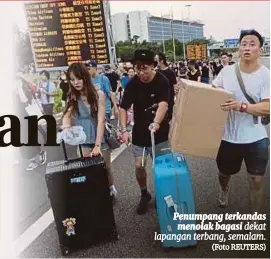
column 64, row 32
column 198, row 51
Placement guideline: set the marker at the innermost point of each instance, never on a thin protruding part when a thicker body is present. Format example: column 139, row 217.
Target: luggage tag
column 172, row 207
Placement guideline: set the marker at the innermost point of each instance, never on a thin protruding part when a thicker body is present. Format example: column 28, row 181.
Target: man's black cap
column 144, row 55
column 107, row 67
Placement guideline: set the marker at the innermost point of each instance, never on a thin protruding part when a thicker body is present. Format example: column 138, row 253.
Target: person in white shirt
column 24, row 95
column 244, row 138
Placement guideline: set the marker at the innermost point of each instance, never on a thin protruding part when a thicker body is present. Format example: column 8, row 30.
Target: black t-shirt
column 113, row 78
column 143, row 96
column 193, row 77
column 218, row 69
column 183, row 71
column 171, row 77
column 205, row 72
column 64, row 86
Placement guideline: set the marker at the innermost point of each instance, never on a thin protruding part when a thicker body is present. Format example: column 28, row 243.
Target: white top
column 240, row 127
column 20, row 92
column 44, row 97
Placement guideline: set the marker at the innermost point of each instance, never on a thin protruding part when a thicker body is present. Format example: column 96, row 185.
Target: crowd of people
column 143, row 94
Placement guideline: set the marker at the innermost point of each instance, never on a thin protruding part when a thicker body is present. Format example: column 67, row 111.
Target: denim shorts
column 230, row 157
column 141, row 151
column 160, row 149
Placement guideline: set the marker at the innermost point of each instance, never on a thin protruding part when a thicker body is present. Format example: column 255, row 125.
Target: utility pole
column 188, row 7
column 184, row 54
column 173, row 40
column 163, row 38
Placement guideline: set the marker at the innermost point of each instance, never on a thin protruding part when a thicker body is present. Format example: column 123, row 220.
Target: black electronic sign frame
column 63, row 32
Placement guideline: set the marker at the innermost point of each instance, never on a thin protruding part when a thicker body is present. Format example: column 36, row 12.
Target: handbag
column 111, row 136
column 34, row 109
column 265, row 120
column 110, row 132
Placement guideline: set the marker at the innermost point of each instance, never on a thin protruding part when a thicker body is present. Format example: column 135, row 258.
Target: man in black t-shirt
column 171, row 76
column 114, row 79
column 148, row 92
column 230, row 59
column 205, row 73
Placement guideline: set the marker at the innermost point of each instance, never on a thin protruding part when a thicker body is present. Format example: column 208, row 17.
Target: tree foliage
column 23, row 51
column 125, row 50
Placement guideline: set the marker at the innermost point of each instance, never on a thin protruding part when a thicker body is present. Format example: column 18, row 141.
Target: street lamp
column 163, row 38
column 188, row 7
column 172, row 33
column 184, row 55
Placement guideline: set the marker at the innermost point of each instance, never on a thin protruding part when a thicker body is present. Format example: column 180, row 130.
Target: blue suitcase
column 174, row 193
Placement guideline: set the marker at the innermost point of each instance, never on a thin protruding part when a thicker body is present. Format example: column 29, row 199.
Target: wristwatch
column 243, row 107
column 124, row 130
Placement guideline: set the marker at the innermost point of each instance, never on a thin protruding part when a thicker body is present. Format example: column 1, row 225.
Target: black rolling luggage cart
column 81, row 203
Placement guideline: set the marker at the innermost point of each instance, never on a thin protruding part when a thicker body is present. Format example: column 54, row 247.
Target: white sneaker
column 113, row 194
column 223, row 198
column 42, row 157
column 113, row 191
column 33, row 165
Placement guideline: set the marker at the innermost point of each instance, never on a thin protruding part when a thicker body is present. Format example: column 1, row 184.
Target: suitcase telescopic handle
column 67, row 160
column 153, row 147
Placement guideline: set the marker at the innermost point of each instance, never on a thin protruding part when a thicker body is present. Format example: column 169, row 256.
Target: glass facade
column 162, row 28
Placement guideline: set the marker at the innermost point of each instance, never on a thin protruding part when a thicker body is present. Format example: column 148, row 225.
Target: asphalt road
column 136, row 232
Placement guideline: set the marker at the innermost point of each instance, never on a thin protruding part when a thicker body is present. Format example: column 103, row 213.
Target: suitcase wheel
column 115, row 235
column 165, row 249
column 64, row 250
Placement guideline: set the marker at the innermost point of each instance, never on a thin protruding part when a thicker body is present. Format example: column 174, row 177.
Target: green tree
column 58, row 103
column 125, row 50
column 178, row 49
column 135, row 39
column 198, row 41
column 24, row 55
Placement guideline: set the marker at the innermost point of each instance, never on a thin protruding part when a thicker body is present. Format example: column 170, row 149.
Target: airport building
column 154, row 29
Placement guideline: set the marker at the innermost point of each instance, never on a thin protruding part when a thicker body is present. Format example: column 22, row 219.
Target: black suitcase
column 81, row 203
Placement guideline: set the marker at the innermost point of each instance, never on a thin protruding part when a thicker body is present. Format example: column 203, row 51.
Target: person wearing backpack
column 245, row 137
